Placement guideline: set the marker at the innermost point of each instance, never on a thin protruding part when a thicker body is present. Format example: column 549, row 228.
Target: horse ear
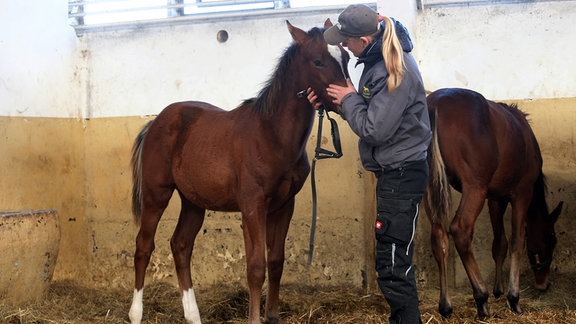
column 328, row 23
column 298, row 35
column 556, row 212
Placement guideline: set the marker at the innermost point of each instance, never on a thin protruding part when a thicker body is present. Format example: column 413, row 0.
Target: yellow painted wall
column 42, row 167
column 81, row 169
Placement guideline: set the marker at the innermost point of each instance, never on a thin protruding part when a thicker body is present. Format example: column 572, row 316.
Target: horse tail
column 439, row 196
column 136, row 163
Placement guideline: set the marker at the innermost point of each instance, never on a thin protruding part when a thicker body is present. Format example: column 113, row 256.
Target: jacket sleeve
column 377, row 121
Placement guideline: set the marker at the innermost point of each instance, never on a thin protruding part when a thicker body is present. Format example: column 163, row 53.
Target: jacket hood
column 373, row 52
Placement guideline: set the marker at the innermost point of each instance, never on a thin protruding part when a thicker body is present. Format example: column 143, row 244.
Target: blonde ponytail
column 393, row 55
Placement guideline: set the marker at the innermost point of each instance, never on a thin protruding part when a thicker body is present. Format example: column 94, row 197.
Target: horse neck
column 279, row 105
column 294, row 117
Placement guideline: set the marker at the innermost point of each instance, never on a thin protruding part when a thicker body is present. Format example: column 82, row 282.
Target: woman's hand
column 313, row 99
column 338, row 92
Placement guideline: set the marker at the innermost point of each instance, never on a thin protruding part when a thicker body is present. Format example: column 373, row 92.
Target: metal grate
column 92, row 12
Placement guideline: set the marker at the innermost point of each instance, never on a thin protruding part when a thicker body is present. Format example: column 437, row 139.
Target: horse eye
column 318, row 63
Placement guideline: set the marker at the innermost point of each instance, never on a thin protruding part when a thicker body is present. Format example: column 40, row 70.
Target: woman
column 390, row 116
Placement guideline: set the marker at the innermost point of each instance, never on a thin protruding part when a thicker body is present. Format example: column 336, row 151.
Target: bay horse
column 250, row 159
column 487, row 150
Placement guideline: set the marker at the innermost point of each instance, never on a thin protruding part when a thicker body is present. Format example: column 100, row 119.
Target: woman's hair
column 393, row 55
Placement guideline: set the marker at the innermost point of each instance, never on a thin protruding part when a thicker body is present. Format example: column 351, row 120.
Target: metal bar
column 207, row 18
column 174, row 12
column 427, row 4
column 177, row 6
column 72, row 3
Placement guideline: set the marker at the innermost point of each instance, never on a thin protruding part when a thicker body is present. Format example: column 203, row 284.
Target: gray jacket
column 394, row 128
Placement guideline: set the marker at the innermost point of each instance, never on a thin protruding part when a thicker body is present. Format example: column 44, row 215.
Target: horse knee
column 143, row 250
column 178, row 246
column 256, row 273
column 462, row 237
column 439, row 240
column 145, row 240
column 275, row 269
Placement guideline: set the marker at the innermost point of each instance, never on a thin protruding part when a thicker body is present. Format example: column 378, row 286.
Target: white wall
column 38, row 60
column 141, row 71
column 510, row 51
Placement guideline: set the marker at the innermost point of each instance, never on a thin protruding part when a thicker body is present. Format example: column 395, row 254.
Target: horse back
column 464, row 136
column 520, row 160
column 482, row 142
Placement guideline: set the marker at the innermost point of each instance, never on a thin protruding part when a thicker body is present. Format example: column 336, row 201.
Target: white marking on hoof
column 135, row 313
column 191, row 312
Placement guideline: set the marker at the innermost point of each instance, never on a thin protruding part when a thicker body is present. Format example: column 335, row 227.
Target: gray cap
column 355, row 21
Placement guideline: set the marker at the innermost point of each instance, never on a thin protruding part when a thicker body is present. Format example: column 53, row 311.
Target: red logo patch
column 378, row 225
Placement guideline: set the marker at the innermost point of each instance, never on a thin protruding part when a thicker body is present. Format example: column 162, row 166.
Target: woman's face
column 356, row 44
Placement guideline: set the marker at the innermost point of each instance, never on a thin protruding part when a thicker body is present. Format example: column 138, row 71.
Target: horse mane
column 274, row 90
column 514, row 109
column 540, row 185
column 538, row 202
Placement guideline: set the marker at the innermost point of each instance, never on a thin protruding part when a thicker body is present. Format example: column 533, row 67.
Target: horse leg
column 519, row 210
column 182, row 244
column 254, row 230
column 500, row 243
column 153, row 206
column 440, row 249
column 462, row 230
column 277, row 224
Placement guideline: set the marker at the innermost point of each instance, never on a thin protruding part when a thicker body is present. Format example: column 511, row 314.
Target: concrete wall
column 70, row 108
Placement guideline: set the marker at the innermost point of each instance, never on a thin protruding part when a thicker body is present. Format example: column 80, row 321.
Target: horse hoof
column 271, row 320
column 483, row 310
column 498, row 293
column 445, row 310
column 513, row 301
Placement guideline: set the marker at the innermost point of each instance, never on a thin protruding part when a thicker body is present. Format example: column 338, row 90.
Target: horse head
column 540, row 243
column 323, row 64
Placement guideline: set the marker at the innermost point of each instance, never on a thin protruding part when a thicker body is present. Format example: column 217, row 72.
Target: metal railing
column 84, row 12
column 463, row 3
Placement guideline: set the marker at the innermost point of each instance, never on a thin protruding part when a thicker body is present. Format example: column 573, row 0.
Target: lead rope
column 319, row 154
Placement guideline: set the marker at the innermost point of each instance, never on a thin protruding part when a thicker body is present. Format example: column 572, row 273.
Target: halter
column 319, row 154
column 534, row 257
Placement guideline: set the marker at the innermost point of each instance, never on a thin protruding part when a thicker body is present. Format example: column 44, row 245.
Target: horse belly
column 203, row 161
column 206, row 186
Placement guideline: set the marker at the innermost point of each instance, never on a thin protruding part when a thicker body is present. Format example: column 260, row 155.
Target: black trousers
column 399, row 192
